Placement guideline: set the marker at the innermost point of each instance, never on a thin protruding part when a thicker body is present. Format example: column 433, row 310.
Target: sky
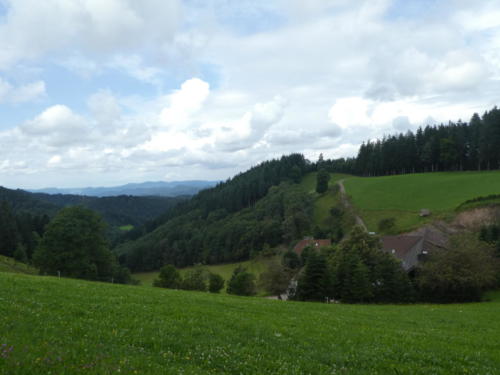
column 107, row 92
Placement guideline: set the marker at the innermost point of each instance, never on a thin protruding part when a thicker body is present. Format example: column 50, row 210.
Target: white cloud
column 57, row 126
column 33, row 28
column 21, row 94
column 349, row 71
column 185, row 102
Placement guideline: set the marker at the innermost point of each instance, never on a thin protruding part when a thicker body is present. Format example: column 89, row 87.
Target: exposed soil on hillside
column 475, row 218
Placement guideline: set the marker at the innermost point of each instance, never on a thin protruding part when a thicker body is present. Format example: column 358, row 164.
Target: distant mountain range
column 153, row 188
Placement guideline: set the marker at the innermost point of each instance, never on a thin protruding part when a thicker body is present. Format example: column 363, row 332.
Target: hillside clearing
column 403, row 196
column 64, row 326
column 323, row 202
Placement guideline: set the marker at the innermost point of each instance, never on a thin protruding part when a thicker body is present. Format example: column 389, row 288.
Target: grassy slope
column 256, row 266
column 63, row 326
column 10, row 265
column 403, row 196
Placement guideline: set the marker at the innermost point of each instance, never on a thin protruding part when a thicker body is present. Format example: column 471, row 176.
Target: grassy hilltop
column 63, row 326
column 403, row 196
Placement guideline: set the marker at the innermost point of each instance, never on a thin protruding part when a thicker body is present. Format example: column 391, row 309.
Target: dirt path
column 348, row 205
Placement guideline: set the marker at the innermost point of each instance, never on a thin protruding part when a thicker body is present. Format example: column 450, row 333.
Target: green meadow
column 62, row 326
column 403, row 196
column 255, row 266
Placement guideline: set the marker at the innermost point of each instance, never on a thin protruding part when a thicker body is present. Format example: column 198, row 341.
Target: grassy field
column 10, row 265
column 255, row 266
column 62, row 326
column 403, row 196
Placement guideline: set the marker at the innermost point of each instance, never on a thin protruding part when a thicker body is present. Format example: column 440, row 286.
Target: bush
column 242, row 283
column 387, row 224
column 460, row 274
column 276, row 279
column 169, row 277
column 195, row 279
column 215, row 283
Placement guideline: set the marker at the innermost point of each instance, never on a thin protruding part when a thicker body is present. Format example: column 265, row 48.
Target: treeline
column 20, row 233
column 453, row 147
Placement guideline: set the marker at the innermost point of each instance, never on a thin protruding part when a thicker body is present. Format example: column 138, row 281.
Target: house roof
column 310, row 242
column 401, row 245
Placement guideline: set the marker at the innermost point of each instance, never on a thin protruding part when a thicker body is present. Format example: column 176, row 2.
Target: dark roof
column 310, row 242
column 401, row 245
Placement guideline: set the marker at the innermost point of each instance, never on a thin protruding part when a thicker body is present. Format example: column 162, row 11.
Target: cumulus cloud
column 57, row 126
column 272, row 78
column 33, row 28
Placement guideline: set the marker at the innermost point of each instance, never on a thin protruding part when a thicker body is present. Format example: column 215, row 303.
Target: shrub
column 242, row 283
column 460, row 274
column 215, row 283
column 387, row 224
column 169, row 277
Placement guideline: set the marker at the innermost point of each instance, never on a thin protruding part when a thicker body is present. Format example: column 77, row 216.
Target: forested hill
column 228, row 221
column 116, row 211
column 453, row 147
column 119, row 210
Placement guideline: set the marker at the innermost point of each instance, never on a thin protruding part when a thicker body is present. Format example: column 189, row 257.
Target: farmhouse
column 299, row 248
column 408, row 249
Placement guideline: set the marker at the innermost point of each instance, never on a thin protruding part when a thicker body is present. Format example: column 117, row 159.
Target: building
column 408, row 249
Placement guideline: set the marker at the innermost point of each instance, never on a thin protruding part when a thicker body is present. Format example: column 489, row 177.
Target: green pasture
column 126, row 228
column 255, row 266
column 403, row 196
column 63, row 326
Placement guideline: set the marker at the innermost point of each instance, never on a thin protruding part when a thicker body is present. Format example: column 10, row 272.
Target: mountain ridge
column 147, row 188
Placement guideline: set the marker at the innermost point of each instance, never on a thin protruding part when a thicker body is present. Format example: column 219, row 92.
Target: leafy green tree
column 195, row 279
column 74, row 244
column 276, row 278
column 20, row 253
column 169, row 277
column 460, row 274
column 322, row 179
column 215, row 283
column 242, row 283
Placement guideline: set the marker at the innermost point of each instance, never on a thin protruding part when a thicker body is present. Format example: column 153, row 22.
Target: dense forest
column 453, row 147
column 116, row 211
column 24, row 215
column 20, row 232
column 229, row 221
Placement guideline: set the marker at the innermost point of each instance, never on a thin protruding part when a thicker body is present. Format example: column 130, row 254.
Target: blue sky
column 114, row 91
